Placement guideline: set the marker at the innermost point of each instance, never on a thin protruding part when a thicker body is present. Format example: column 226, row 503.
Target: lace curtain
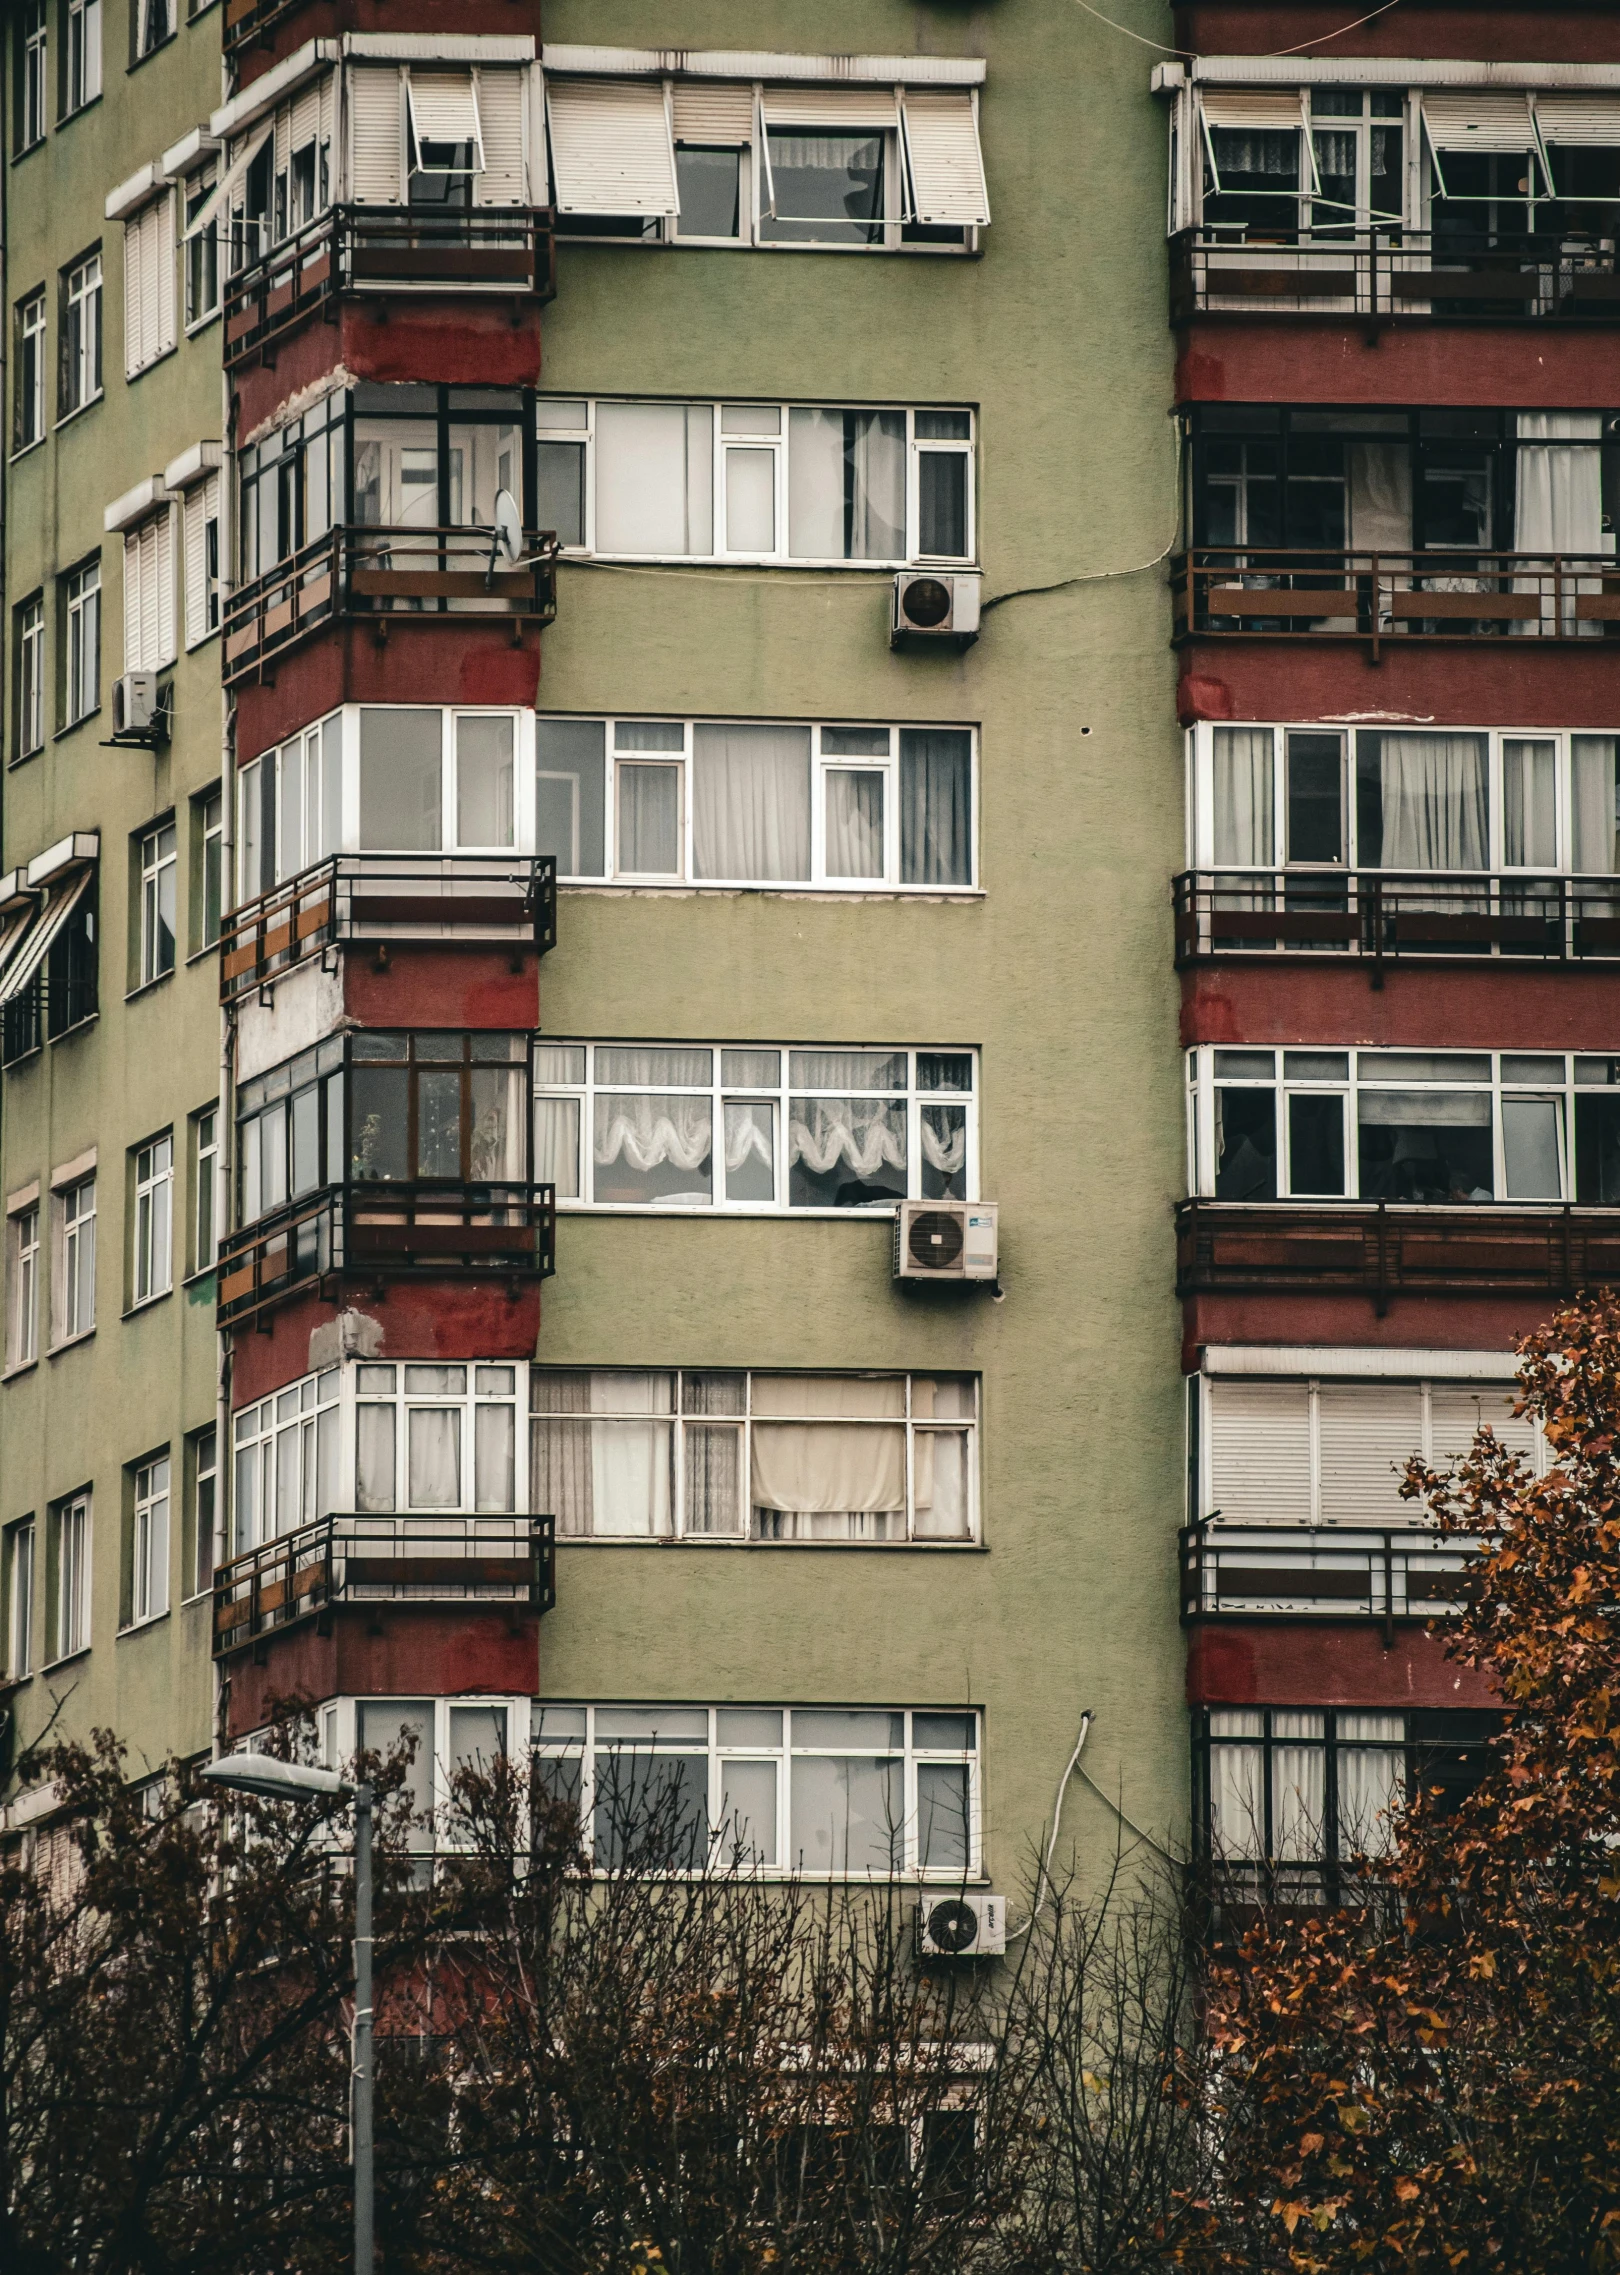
column 1596, row 769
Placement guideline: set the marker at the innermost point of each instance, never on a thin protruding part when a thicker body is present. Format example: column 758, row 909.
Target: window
column 152, row 1263
column 18, row 1543
column 28, row 422
column 825, row 1792
column 202, row 560
column 290, row 801
column 1278, row 165
column 151, row 23
column 82, row 75
column 158, row 864
column 763, row 1457
column 286, row 1460
column 81, row 334
column 1428, row 1126
column 634, row 1126
column 449, row 1736
column 208, row 867
column 147, row 1584
column 290, row 1130
column 757, row 481
column 31, row 64
column 75, row 1304
column 201, row 248
column 740, row 802
column 149, row 593
column 435, row 1438
column 202, row 1464
column 81, row 616
column 70, row 1577
column 22, row 1286
column 30, row 621
column 149, row 285
column 204, row 1188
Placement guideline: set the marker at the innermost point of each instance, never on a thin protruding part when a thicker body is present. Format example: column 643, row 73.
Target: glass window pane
column 747, row 1827
column 940, row 1491
column 750, row 1070
column 751, row 803
column 433, row 1436
column 380, row 1126
column 713, row 1478
column 1422, row 801
column 750, row 1126
column 845, row 1153
column 556, row 1145
column 1315, row 1144
column 847, row 1813
column 748, row 1726
column 750, row 501
column 569, row 794
column 494, row 1458
column 560, row 490
column 1425, row 1145
column 942, row 1131
column 1237, row 1809
column 1597, row 1149
column 1533, row 1148
column 859, row 1728
column 401, row 789
column 708, row 183
column 484, row 813
column 942, row 502
column 649, row 821
column 829, row 188
column 679, row 1069
column 652, row 1148
column 936, row 830
column 389, row 1725
column 854, row 822
column 944, row 1826
column 654, row 478
column 1595, row 801
column 477, row 1738
column 1245, row 1145
column 1529, row 803
column 943, row 1733
column 846, row 485
column 650, row 1808
column 1315, row 796
column 374, row 1459
column 438, row 1124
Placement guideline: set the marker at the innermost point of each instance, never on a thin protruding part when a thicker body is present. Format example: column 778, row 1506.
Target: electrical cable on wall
column 1189, row 55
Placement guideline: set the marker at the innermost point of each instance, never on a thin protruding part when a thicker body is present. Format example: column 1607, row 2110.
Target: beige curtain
column 837, row 1455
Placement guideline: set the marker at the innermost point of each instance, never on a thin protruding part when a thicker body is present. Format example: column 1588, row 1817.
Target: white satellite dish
column 508, row 537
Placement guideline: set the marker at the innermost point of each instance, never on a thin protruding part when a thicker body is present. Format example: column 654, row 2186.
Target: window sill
column 146, row 1304
column 146, row 987
column 203, row 1596
column 576, row 557
column 167, row 40
column 67, row 1659
column 71, row 1343
column 26, row 450
column 27, row 151
column 11, row 1684
column 195, row 647
column 200, row 955
column 142, row 369
column 815, row 1547
column 23, row 1366
column 794, row 891
column 79, row 409
column 881, row 1214
column 196, row 1279
column 22, row 758
column 73, row 725
column 201, row 324
column 140, row 1626
column 68, row 117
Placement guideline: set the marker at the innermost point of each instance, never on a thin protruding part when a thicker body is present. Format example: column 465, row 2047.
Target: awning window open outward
column 1487, row 124
column 220, row 196
column 17, row 914
column 61, row 897
column 611, row 147
column 1257, row 111
column 446, row 133
column 944, row 164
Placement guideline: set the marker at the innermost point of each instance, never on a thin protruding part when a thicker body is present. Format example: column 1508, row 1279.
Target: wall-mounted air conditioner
column 966, row 1926
column 945, row 1240
column 935, row 604
column 140, row 711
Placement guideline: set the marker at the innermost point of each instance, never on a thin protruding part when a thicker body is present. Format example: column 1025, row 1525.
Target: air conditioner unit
column 935, row 604
column 140, row 713
column 966, row 1926
column 945, row 1240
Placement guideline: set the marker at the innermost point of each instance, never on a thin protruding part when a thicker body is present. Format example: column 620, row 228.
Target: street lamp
column 274, row 1780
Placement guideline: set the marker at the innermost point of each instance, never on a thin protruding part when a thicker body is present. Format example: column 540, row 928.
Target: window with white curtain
column 757, row 482
column 286, row 1455
column 70, row 1576
column 732, row 802
column 1442, row 1127
column 147, row 1595
column 449, row 1736
column 723, row 1455
column 754, row 1127
column 1473, row 800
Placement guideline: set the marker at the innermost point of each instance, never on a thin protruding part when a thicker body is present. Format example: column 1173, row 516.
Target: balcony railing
column 431, row 1227
column 1227, row 592
column 1396, row 273
column 250, row 20
column 1234, row 1571
column 45, row 1009
column 1382, row 1249
column 354, row 249
column 1376, row 916
column 383, row 577
column 508, row 1561
column 383, row 897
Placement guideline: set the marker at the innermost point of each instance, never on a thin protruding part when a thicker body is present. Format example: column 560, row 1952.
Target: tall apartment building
column 668, row 1244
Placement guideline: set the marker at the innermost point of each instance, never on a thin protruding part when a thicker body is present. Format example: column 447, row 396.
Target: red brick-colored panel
column 389, row 1650
column 1410, row 1322
column 1297, row 1662
column 451, row 660
column 1504, row 1007
column 484, row 985
column 1551, row 31
column 434, row 1319
column 1484, row 682
column 1324, row 359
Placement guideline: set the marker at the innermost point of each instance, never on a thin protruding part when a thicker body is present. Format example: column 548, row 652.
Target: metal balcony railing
column 430, row 1227
column 384, row 576
column 1237, row 1571
column 1382, row 1248
column 1376, row 915
column 1244, row 592
column 249, row 20
column 356, row 249
column 47, row 1007
column 497, row 1561
column 382, row 897
column 1395, row 273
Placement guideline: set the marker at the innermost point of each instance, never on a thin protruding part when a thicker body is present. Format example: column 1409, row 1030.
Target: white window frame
column 779, row 1095
column 74, row 1306
column 210, row 813
column 71, row 1610
column 200, row 248
column 780, row 556
column 83, row 366
column 82, row 588
column 31, row 677
column 205, row 1189
column 396, row 1388
column 556, row 1741
column 152, row 1257
column 281, row 1447
column 23, row 1249
column 430, row 1781
column 156, row 22
column 34, row 67
column 83, row 78
column 159, row 860
column 149, row 1541
column 1584, row 1074
column 32, row 340
column 677, row 1415
column 203, row 1463
column 202, row 543
column 21, row 1542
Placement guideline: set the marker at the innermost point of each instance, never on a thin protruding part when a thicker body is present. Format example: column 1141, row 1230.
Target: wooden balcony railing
column 1376, row 916
column 430, row 1227
column 497, row 1561
column 1396, row 274
column 382, row 897
column 1236, row 1571
column 1244, row 592
column 1383, row 1249
column 383, row 576
column 352, row 249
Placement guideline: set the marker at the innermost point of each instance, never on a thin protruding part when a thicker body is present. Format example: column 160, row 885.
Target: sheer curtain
column 1596, row 769
column 1558, row 505
column 1298, row 1787
column 1244, row 797
column 1372, row 1781
column 596, row 1464
column 751, row 803
column 433, row 1458
column 936, row 800
column 1529, row 804
column 840, row 1466
column 655, row 478
column 854, row 845
column 1237, row 1800
column 1432, row 802
column 847, row 485
column 1381, row 497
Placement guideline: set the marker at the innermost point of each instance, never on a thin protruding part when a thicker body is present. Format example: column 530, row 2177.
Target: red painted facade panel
column 453, row 659
column 407, row 1651
column 321, row 19
column 474, row 984
column 1465, row 683
column 1306, row 359
column 1345, row 1318
column 1418, row 1007
column 1282, row 1662
column 463, row 339
column 1554, row 31
column 438, row 1319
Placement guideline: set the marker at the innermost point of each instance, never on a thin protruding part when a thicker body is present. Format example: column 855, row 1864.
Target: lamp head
column 273, row 1780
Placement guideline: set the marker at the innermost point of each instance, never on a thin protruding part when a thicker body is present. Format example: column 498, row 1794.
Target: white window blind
column 1367, row 1431
column 611, row 149
column 444, row 111
column 149, row 299
column 505, row 176
column 1257, row 111
column 202, row 561
column 376, row 170
column 1481, row 121
column 1458, row 1409
column 837, row 107
column 711, row 110
column 1587, row 122
column 1260, row 1452
column 149, row 594
column 944, row 159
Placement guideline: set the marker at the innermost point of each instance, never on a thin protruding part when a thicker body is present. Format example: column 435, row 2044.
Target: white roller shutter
column 149, row 594
column 149, row 297
column 943, row 157
column 1260, row 1452
column 1271, row 110
column 202, row 507
column 1481, row 121
column 1368, row 1431
column 283, row 125
column 1586, row 121
column 305, row 122
column 376, row 158
column 1458, row 1408
column 711, row 110
column 504, row 179
column 444, row 109
column 611, row 148
column 836, row 107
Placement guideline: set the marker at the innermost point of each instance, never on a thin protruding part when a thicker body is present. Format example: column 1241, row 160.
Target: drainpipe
column 225, row 1128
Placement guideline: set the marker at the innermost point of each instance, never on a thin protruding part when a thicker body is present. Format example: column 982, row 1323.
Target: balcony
column 1382, row 1249
column 1375, row 917
column 1231, row 1571
column 51, row 1004
column 418, row 1230
column 378, row 899
column 383, row 577
column 1394, row 275
column 351, row 250
column 1225, row 592
column 473, row 1561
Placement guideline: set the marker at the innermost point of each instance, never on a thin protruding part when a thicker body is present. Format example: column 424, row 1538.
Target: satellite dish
column 508, row 528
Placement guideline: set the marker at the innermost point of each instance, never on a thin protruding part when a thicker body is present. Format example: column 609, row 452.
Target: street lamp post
column 274, row 1780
